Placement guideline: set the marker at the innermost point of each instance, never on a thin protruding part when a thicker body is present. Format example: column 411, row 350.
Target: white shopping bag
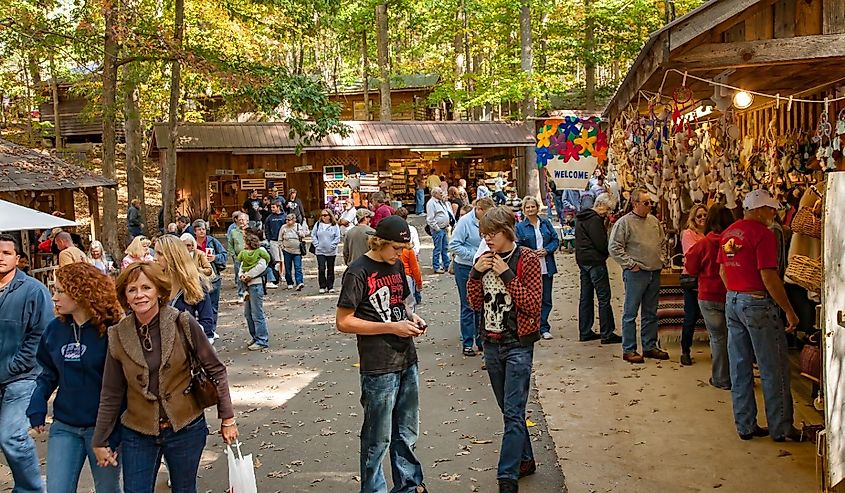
column 241, row 471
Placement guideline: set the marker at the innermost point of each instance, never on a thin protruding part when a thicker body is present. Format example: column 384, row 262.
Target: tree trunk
column 365, row 69
column 134, row 140
column 168, row 173
column 460, row 65
column 27, row 83
column 57, row 120
column 109, row 222
column 589, row 64
column 532, row 174
column 385, row 114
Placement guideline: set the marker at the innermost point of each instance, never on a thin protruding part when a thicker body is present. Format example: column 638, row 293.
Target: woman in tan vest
column 148, row 365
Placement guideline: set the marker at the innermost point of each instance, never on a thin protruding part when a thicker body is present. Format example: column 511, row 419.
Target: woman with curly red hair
column 72, row 355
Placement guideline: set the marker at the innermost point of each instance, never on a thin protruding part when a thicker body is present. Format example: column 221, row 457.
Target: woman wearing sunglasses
column 326, row 237
column 689, row 237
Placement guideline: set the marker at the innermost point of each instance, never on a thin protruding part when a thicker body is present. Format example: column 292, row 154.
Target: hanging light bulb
column 743, row 99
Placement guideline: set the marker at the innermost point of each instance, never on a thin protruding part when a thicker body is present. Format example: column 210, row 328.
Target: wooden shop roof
column 23, row 169
column 784, row 47
column 273, row 138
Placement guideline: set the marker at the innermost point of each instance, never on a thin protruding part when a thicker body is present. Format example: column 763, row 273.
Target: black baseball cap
column 393, row 228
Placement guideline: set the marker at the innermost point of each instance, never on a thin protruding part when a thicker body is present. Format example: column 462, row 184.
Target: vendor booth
column 740, row 95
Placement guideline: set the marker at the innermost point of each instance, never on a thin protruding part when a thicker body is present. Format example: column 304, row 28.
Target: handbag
column 312, row 248
column 688, row 282
column 203, row 387
column 302, row 248
column 810, row 361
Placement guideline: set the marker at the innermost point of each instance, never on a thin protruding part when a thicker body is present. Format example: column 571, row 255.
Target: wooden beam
column 717, row 56
column 705, row 19
column 833, row 16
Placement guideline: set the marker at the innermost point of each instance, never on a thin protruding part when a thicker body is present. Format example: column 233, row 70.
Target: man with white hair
column 438, row 217
column 636, row 244
column 748, row 261
column 68, row 252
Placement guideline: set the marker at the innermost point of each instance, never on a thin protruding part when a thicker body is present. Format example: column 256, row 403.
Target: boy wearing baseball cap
column 371, row 305
column 749, row 269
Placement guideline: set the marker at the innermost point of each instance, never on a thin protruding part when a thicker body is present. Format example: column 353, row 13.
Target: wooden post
column 94, row 210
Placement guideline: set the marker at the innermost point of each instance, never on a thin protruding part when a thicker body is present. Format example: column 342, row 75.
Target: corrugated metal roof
column 266, row 137
column 22, row 168
column 397, row 83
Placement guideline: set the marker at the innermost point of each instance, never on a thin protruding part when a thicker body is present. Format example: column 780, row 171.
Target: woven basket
column 806, row 223
column 805, row 272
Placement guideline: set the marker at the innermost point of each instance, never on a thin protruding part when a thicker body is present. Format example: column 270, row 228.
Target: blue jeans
column 325, row 271
column 420, row 201
column 499, row 197
column 595, row 279
column 254, row 315
column 470, row 319
column 182, row 450
column 559, row 207
column 691, row 315
column 391, row 405
column 546, row 308
column 642, row 290
column 293, row 268
column 15, row 442
column 67, row 450
column 510, row 377
column 214, row 296
column 717, row 327
column 440, row 257
column 755, row 328
column 238, row 283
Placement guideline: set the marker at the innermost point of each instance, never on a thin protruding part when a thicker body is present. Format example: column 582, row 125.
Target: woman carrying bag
column 291, row 236
column 151, row 355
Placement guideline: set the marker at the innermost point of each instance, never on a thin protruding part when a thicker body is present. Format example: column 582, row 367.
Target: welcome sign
column 570, row 149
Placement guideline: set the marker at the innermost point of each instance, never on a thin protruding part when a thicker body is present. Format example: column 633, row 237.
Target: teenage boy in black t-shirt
column 371, row 305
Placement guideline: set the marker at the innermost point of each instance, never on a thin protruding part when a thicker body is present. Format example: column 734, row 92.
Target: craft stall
column 735, row 96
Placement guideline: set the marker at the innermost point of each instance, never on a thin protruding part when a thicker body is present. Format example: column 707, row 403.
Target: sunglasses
column 646, row 202
column 701, row 216
column 324, row 215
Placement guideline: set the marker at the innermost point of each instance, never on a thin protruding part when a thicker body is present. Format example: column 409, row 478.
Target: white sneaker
column 255, row 347
column 322, row 290
column 272, row 285
column 331, row 290
column 290, row 286
column 300, row 286
column 241, row 298
column 547, row 335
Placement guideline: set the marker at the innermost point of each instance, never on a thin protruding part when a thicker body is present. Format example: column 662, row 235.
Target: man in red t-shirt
column 749, row 268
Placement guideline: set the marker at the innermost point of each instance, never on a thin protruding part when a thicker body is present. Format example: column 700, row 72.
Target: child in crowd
column 568, row 231
column 414, row 276
column 514, row 203
column 254, row 260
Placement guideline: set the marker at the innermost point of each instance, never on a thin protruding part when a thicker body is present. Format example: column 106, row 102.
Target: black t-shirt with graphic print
column 377, row 292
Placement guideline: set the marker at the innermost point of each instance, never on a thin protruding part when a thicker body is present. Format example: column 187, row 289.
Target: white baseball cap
column 759, row 198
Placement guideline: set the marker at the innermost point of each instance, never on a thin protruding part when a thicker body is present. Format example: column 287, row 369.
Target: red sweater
column 702, row 260
column 381, row 212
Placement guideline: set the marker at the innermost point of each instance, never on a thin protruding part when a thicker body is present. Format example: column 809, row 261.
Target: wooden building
column 219, row 163
column 80, row 121
column 45, row 183
column 409, row 99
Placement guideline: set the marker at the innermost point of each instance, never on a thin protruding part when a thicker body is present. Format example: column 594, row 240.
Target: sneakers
column 272, row 285
column 508, row 486
column 439, row 271
column 469, row 351
column 331, row 290
column 686, row 360
column 592, row 336
column 213, row 338
column 241, row 298
column 300, row 286
column 656, row 353
column 290, row 286
column 527, row 468
column 612, row 339
column 322, row 290
column 633, row 357
column 256, row 347
column 547, row 335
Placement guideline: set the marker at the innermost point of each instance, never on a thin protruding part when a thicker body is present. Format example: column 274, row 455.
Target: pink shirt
column 689, row 237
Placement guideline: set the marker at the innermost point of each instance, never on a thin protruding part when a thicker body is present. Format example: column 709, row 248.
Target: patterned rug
column 670, row 317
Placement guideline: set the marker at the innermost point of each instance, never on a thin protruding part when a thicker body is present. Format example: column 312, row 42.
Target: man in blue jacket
column 25, row 311
column 464, row 244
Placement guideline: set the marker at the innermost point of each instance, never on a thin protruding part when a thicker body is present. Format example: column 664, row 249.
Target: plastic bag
column 241, row 471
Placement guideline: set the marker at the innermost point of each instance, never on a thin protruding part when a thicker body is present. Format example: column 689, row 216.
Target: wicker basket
column 806, row 223
column 805, row 272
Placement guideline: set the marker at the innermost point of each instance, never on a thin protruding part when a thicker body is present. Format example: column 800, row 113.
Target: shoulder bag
column 202, row 386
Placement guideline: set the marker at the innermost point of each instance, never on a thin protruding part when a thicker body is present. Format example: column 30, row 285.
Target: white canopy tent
column 14, row 217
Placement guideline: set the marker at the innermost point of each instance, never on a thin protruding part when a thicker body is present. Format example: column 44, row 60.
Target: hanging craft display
column 570, row 149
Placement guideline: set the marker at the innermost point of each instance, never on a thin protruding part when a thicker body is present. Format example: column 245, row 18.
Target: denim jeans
column 691, row 315
column 67, row 450
column 420, row 201
column 440, row 257
column 325, row 271
column 510, row 377
column 254, row 314
column 238, row 284
column 293, row 268
column 717, row 327
column 595, row 279
column 546, row 307
column 559, row 207
column 214, row 296
column 499, row 197
column 17, row 445
column 756, row 329
column 391, row 405
column 642, row 290
column 182, row 450
column 470, row 319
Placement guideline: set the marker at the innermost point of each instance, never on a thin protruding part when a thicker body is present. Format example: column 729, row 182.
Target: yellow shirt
column 432, row 182
column 71, row 255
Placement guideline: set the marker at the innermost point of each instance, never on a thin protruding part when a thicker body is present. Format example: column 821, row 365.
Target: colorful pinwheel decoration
column 571, row 139
column 543, row 156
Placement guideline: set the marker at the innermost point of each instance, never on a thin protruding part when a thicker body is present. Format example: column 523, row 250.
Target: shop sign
column 369, row 189
column 224, row 172
column 304, row 167
column 278, row 175
column 253, row 184
column 255, row 171
column 570, row 149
